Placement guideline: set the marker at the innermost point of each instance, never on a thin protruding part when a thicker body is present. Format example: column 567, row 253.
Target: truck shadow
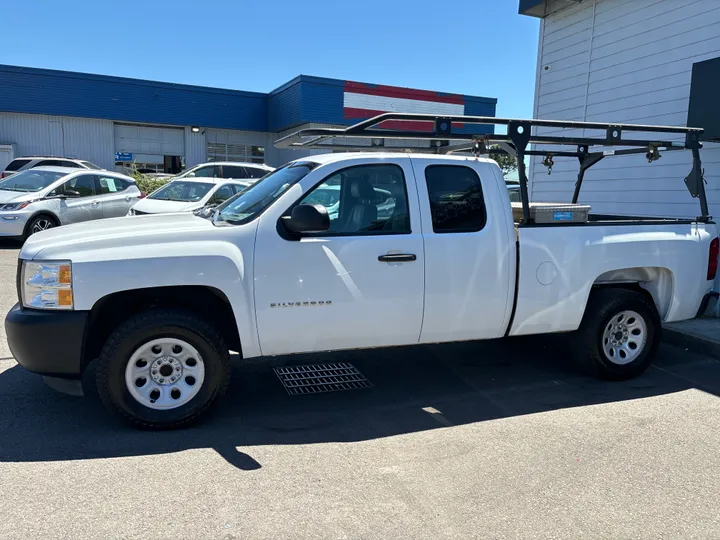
column 415, row 389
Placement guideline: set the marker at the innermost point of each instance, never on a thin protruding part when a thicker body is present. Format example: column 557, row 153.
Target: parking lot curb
column 701, row 336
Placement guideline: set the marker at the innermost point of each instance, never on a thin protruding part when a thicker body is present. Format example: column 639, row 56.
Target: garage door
column 148, row 147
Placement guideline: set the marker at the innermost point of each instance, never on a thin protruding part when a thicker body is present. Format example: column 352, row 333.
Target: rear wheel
column 163, row 369
column 619, row 334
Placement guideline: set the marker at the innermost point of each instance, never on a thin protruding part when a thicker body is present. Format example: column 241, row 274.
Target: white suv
column 25, row 163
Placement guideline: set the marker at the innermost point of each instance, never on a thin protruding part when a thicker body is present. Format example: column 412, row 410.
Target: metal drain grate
column 317, row 378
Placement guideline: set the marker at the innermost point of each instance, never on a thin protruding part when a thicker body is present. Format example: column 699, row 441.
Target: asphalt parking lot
column 493, row 440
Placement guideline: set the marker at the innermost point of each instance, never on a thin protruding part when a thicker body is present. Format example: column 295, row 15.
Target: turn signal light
column 713, row 259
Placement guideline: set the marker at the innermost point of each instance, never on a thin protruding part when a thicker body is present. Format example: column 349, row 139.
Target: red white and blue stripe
column 361, row 101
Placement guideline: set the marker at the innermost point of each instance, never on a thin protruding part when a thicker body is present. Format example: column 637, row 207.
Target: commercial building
column 159, row 126
column 632, row 61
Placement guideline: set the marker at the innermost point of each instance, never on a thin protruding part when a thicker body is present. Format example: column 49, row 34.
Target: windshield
column 30, row 180
column 250, row 203
column 182, row 191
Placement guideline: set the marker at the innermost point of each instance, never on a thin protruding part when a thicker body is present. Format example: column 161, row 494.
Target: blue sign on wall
column 123, row 156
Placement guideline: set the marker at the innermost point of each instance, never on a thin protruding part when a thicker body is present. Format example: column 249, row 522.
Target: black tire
column 38, row 223
column 143, row 328
column 603, row 307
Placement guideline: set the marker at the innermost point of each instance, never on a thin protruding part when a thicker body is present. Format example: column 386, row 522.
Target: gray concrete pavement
column 493, row 440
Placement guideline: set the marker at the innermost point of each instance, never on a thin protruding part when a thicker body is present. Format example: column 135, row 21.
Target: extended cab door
column 469, row 249
column 358, row 285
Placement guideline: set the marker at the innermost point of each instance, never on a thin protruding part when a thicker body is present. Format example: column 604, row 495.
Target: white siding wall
column 37, row 134
column 626, row 61
column 195, row 150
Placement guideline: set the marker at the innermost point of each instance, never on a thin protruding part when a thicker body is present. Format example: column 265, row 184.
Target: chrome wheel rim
column 164, row 373
column 624, row 337
column 41, row 225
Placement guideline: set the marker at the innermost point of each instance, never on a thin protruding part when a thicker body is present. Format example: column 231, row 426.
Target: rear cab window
column 16, row 164
column 457, row 204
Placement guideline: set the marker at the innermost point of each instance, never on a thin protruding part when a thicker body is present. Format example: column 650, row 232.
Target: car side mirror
column 190, row 175
column 307, row 218
column 71, row 193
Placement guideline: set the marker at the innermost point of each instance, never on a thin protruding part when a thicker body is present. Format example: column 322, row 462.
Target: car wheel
column 39, row 224
column 619, row 335
column 163, row 369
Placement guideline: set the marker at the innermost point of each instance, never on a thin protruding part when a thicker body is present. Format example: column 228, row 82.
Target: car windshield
column 250, row 203
column 30, row 180
column 182, row 191
column 91, row 165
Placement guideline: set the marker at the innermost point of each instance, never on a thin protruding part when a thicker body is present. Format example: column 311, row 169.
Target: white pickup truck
column 160, row 300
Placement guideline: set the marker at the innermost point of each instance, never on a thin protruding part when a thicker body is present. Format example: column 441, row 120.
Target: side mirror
column 190, row 175
column 72, row 193
column 307, row 218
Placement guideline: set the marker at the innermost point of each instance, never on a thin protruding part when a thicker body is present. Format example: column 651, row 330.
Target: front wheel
column 39, row 224
column 619, row 335
column 163, row 369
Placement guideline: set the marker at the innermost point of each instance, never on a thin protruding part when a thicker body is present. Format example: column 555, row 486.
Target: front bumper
column 13, row 223
column 47, row 342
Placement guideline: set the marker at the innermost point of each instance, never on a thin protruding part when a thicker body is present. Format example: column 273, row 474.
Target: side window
column 366, row 199
column 110, row 184
column 69, row 164
column 252, row 172
column 208, row 172
column 50, row 163
column 15, row 164
column 233, row 171
column 223, row 194
column 456, row 199
column 83, row 185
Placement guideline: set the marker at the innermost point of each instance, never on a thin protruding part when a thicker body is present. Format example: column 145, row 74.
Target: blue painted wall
column 305, row 99
column 62, row 93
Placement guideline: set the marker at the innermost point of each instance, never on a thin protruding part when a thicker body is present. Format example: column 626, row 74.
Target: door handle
column 127, row 198
column 95, row 203
column 397, row 257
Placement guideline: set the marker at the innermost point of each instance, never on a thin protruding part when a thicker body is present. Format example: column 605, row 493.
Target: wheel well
column 39, row 214
column 655, row 282
column 110, row 311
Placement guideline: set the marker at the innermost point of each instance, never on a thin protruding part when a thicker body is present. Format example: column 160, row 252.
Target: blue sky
column 488, row 50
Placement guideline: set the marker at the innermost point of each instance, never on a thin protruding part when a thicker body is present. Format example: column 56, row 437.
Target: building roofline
column 127, row 80
column 195, row 88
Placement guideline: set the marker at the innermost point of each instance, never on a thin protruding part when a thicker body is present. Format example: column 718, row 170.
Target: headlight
column 46, row 285
column 9, row 207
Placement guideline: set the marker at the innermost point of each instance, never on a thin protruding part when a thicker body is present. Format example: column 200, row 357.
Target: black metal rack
column 520, row 134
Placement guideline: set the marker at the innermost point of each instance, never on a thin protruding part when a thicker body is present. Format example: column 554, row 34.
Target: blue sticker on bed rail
column 562, row 216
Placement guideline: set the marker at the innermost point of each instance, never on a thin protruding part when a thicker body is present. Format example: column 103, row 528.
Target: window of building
column 235, row 152
column 365, row 199
column 456, row 199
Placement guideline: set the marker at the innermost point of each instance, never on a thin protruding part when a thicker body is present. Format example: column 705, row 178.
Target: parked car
column 513, row 187
column 227, row 169
column 41, row 198
column 161, row 300
column 25, row 163
column 187, row 194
